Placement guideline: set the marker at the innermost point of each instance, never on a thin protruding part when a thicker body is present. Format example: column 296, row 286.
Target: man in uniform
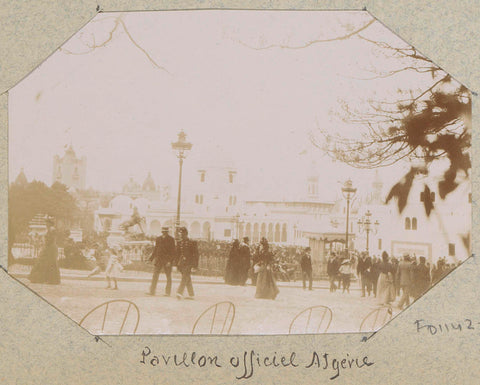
column 187, row 259
column 163, row 256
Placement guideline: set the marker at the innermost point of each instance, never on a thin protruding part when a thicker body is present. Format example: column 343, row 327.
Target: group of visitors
column 386, row 278
column 167, row 253
column 259, row 265
column 340, row 269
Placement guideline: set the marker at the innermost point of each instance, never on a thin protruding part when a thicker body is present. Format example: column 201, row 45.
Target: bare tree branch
column 310, row 43
column 94, row 46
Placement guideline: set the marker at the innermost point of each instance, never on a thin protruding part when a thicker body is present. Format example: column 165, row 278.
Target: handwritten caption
column 446, row 327
column 246, row 363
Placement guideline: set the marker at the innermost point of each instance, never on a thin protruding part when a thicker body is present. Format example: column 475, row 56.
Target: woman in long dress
column 46, row 269
column 385, row 286
column 233, row 268
column 266, row 286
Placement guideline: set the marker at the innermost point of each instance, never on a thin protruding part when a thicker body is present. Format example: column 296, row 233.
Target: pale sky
column 257, row 105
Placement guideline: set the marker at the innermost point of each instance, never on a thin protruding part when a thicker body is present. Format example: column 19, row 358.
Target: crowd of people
column 386, row 278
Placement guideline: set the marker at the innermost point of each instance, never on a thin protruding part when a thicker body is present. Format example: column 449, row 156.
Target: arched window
column 407, row 223
column 263, row 231
column 277, row 232
column 270, row 232
column 248, row 230
column 240, row 231
column 256, row 233
column 195, row 230
column 155, row 227
column 206, row 230
column 284, row 232
column 414, row 223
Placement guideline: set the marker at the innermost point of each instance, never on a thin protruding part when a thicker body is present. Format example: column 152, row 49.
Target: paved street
column 75, row 296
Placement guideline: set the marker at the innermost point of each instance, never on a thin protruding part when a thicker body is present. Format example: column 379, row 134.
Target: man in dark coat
column 364, row 271
column 163, row 256
column 245, row 260
column 404, row 278
column 187, row 259
column 332, row 271
column 306, row 265
column 421, row 276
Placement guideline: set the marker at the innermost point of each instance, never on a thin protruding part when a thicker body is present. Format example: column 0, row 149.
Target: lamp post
column 365, row 224
column 348, row 192
column 181, row 146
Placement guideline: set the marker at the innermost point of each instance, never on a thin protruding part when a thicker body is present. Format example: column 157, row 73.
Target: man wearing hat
column 404, row 277
column 186, row 260
column 306, row 265
column 245, row 260
column 163, row 256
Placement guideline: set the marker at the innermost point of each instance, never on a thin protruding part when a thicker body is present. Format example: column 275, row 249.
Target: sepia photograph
column 224, row 172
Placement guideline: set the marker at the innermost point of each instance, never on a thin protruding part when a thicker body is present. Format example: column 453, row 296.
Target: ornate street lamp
column 365, row 225
column 181, row 146
column 348, row 192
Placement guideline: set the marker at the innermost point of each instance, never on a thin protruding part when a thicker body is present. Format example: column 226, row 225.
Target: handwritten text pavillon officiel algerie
column 248, row 361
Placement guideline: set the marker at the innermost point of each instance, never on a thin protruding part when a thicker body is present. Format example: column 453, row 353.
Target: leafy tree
column 27, row 200
column 430, row 127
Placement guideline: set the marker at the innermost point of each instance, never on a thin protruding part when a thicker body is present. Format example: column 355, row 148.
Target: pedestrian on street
column 100, row 263
column 186, row 260
column 421, row 278
column 162, row 256
column 46, row 268
column 113, row 268
column 364, row 267
column 245, row 256
column 332, row 271
column 233, row 270
column 306, row 265
column 266, row 285
column 385, row 287
column 404, row 279
column 345, row 274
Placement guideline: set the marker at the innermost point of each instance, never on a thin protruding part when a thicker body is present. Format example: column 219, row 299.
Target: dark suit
column 187, row 259
column 163, row 256
column 245, row 262
column 306, row 264
column 364, row 267
column 404, row 277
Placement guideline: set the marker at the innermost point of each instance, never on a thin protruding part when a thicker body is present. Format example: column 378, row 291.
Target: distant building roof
column 149, row 184
column 21, row 178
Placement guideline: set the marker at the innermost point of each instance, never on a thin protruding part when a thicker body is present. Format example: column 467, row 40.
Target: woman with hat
column 385, row 287
column 46, row 269
column 266, row 286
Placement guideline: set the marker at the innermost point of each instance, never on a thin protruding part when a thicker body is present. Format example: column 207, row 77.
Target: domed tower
column 70, row 170
column 21, row 179
column 149, row 184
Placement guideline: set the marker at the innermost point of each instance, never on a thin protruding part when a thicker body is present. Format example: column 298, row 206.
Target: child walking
column 113, row 269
